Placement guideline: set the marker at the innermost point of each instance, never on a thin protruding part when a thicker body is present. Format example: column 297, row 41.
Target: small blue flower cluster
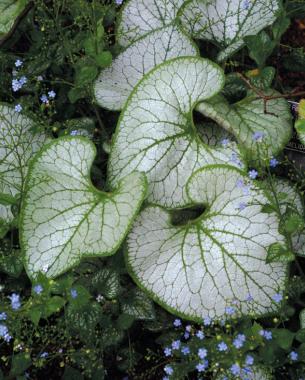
column 15, row 305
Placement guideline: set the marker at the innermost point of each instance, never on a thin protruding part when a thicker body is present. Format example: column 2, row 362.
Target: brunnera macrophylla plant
column 196, row 266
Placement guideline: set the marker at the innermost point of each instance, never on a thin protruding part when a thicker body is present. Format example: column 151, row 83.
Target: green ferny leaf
column 197, row 269
column 156, row 133
column 115, row 83
column 18, row 144
column 226, row 23
column 64, row 218
column 9, row 11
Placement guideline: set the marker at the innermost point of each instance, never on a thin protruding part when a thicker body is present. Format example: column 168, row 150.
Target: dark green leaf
column 280, row 26
column 106, row 282
column 35, row 314
column 268, row 208
column 11, row 263
column 260, row 47
column 300, row 335
column 77, row 93
column 20, row 363
column 104, row 59
column 125, row 321
column 82, row 298
column 283, row 338
column 86, row 74
column 72, row 374
column 291, row 222
column 53, row 305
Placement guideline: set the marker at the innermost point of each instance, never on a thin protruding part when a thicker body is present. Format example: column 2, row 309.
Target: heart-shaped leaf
column 247, row 118
column 9, row 11
column 17, row 145
column 115, row 83
column 139, row 17
column 64, row 217
column 200, row 267
column 156, row 133
column 257, row 373
column 226, row 23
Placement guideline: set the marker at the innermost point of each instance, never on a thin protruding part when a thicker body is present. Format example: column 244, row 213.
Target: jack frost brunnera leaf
column 156, row 133
column 9, row 11
column 197, row 269
column 227, row 22
column 139, row 17
column 257, row 373
column 64, row 217
column 115, row 83
column 17, row 145
column 247, row 116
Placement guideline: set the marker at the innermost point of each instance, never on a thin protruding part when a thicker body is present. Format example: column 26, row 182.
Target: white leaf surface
column 64, row 217
column 156, row 133
column 246, row 117
column 139, row 17
column 17, row 146
column 197, row 269
column 258, row 373
column 226, row 23
column 116, row 82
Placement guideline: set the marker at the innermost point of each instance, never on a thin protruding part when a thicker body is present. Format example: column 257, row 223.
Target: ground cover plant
column 151, row 218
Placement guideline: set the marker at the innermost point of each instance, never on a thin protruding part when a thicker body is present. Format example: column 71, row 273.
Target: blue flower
column 18, row 63
column 201, row 367
column 3, row 316
column 4, row 333
column 240, row 183
column 18, row 107
column 241, row 206
column 202, row 353
column 293, row 356
column 52, row 94
column 44, row 354
column 177, row 322
column 246, row 4
column 74, row 133
column 38, row 289
column 188, row 328
column 249, row 298
column 176, row 344
column 15, row 301
column 239, row 341
column 235, row 369
column 273, row 162
column 249, row 360
column 167, row 351
column 23, row 80
column 277, row 297
column 168, row 370
column 225, row 142
column 119, row 2
column 73, row 293
column 230, row 310
column 258, row 136
column 16, row 85
column 186, row 335
column 165, row 378
column 266, row 334
column 253, row 174
column 235, row 159
column 207, row 321
column 185, row 350
column 222, row 346
column 44, row 99
column 200, row 335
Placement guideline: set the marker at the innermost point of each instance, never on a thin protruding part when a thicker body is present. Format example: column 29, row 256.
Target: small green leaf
column 261, row 78
column 280, row 26
column 125, row 321
column 11, row 262
column 35, row 314
column 20, row 363
column 300, row 335
column 77, row 93
column 82, row 298
column 53, row 305
column 104, row 59
column 86, row 74
column 279, row 253
column 138, row 305
column 111, row 336
column 260, row 47
column 283, row 338
column 292, row 222
column 268, row 208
